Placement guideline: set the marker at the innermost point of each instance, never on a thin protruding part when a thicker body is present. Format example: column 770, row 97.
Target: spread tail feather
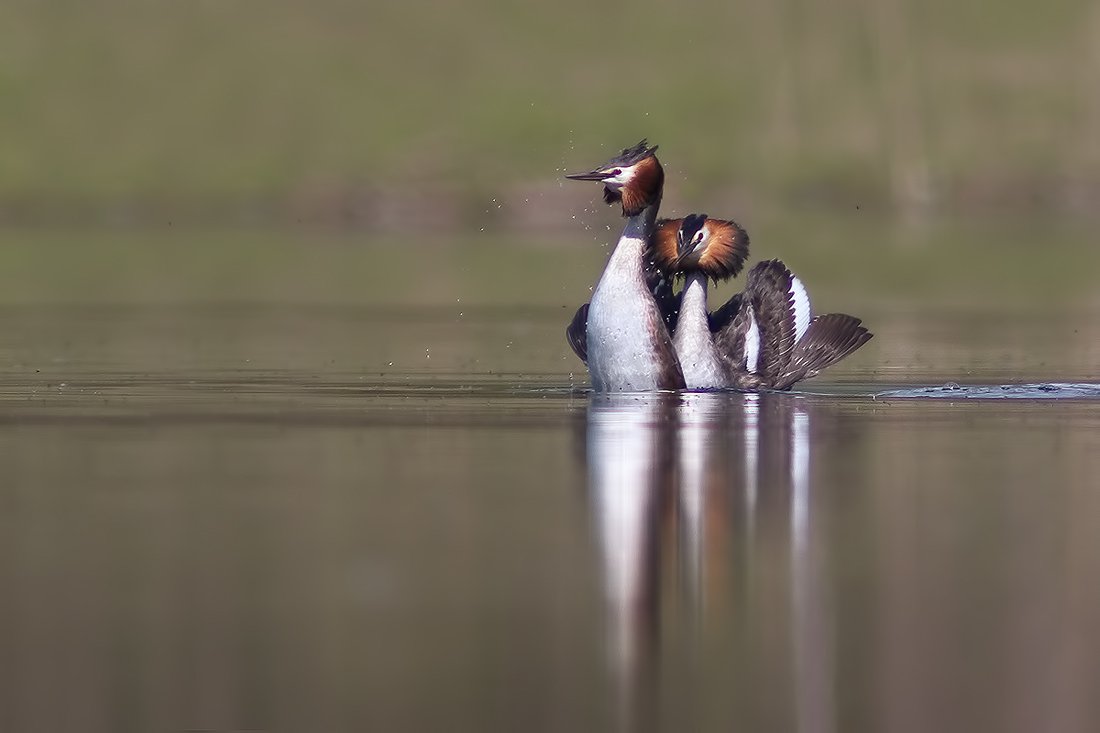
column 794, row 344
column 828, row 339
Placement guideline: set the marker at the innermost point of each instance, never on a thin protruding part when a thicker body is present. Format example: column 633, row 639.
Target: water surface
column 350, row 518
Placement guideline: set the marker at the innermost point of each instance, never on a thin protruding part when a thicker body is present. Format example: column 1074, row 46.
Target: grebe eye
column 617, row 171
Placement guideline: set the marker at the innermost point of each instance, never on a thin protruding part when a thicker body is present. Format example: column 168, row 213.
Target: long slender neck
column 649, row 213
column 629, row 254
column 692, row 321
column 693, row 340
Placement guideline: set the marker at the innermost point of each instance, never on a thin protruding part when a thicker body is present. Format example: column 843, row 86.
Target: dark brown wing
column 576, row 333
column 668, row 302
column 729, row 325
column 722, row 317
column 769, row 289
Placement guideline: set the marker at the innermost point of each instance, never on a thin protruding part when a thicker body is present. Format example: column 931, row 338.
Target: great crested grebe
column 626, row 341
column 765, row 337
column 678, row 246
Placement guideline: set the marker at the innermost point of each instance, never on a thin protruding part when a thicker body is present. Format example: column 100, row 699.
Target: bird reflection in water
column 675, row 480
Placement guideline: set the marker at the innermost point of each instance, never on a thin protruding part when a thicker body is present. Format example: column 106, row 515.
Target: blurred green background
column 296, row 151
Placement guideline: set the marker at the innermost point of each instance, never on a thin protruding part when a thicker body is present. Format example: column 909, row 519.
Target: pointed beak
column 685, row 254
column 593, row 176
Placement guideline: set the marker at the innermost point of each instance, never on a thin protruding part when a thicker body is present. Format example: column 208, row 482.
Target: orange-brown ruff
column 724, row 255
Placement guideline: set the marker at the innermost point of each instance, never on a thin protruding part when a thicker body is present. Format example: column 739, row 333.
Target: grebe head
column 716, row 247
column 633, row 178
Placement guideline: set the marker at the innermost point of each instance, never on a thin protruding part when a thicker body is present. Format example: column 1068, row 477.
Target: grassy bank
column 853, row 261
column 247, row 103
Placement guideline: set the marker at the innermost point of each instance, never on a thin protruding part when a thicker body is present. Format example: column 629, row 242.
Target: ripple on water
column 1041, row 391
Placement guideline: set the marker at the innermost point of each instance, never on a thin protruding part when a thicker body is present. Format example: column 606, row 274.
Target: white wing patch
column 752, row 343
column 801, row 301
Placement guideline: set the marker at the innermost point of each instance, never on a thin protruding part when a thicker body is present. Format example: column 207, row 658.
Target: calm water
column 326, row 518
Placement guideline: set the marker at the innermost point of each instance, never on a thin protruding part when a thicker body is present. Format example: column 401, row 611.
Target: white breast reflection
column 698, row 413
column 811, row 615
column 629, row 469
column 675, row 481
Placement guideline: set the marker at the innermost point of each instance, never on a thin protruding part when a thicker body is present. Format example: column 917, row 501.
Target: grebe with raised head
column 622, row 334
